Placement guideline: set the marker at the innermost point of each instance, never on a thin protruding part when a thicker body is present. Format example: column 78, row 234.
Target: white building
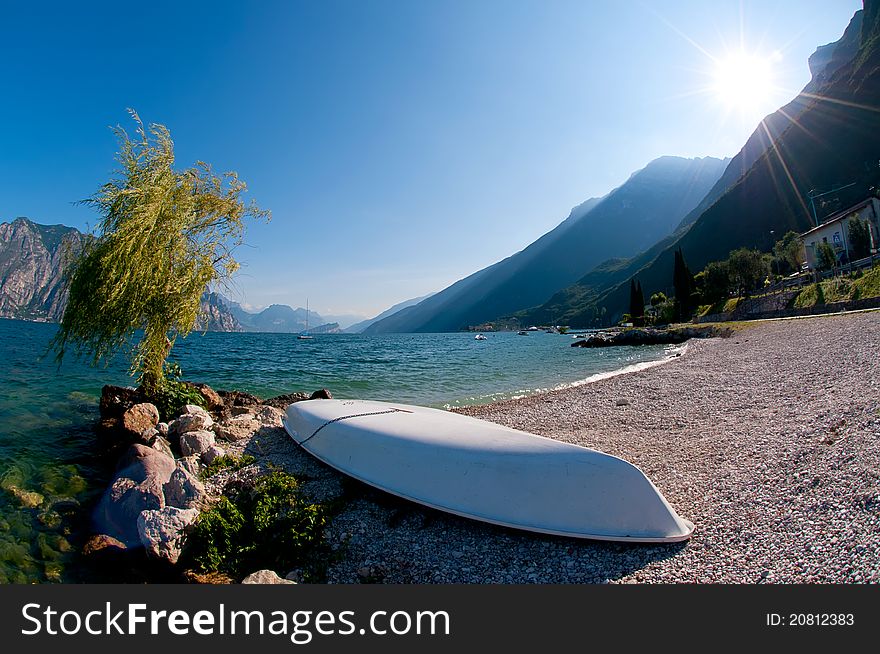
column 835, row 231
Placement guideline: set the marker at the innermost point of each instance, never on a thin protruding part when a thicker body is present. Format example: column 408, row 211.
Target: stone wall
column 831, row 307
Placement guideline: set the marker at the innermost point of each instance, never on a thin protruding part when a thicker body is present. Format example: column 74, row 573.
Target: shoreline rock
column 155, row 494
column 650, row 336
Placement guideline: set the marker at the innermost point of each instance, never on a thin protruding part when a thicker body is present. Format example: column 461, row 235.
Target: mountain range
column 32, row 260
column 825, row 138
column 631, row 218
column 580, row 272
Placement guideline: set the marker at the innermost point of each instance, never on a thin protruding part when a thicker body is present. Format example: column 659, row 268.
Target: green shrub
column 226, row 462
column 172, row 394
column 268, row 526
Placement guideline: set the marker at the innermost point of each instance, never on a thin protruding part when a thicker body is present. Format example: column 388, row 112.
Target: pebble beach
column 767, row 440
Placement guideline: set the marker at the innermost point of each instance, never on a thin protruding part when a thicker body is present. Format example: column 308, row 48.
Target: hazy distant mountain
column 280, row 318
column 820, row 141
column 358, row 327
column 643, row 210
column 344, row 320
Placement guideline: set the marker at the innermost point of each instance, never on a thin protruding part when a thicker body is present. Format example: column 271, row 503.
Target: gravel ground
column 768, row 441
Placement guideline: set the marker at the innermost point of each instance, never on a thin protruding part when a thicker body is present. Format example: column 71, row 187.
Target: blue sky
column 400, row 145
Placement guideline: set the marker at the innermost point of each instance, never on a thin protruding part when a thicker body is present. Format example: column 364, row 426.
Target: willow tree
column 163, row 236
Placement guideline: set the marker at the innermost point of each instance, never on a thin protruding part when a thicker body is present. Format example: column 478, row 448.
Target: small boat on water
column 479, row 337
column 522, row 332
column 485, row 471
column 305, row 335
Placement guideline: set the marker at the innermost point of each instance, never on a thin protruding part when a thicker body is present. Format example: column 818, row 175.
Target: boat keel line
column 354, row 415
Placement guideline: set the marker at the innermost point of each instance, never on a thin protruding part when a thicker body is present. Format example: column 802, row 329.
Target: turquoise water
column 47, row 413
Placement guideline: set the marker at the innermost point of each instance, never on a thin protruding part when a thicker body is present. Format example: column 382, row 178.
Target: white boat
column 479, row 337
column 488, row 472
column 305, row 336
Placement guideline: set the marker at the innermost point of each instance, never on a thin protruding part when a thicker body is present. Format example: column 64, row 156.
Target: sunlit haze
column 399, row 145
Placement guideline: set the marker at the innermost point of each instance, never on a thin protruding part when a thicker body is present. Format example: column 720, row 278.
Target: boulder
column 139, row 418
column 162, row 445
column 161, row 531
column 195, row 421
column 191, row 464
column 321, row 394
column 194, row 410
column 237, row 428
column 162, row 428
column 270, row 416
column 672, row 336
column 138, row 486
column 283, row 401
column 183, row 490
column 265, row 577
column 196, row 442
column 212, row 398
column 28, row 499
column 116, row 399
column 101, row 543
column 141, row 462
column 212, row 453
column 237, row 398
column 122, row 504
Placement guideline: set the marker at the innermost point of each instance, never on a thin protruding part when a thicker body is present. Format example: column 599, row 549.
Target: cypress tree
column 636, row 301
column 640, row 300
column 633, row 300
column 683, row 281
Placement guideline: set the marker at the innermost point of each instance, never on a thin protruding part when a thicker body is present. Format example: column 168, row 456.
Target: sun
column 745, row 81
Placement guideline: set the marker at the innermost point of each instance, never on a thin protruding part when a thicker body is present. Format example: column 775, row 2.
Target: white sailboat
column 304, row 335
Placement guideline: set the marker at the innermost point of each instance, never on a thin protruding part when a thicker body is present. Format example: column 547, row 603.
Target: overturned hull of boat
column 488, row 472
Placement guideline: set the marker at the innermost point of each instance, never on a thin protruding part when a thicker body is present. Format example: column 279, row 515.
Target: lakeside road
column 768, row 441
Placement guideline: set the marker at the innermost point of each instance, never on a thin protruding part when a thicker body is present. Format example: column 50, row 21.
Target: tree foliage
column 658, row 298
column 826, row 257
column 683, row 282
column 788, row 253
column 714, row 282
column 859, row 238
column 162, row 238
column 636, row 301
column 747, row 269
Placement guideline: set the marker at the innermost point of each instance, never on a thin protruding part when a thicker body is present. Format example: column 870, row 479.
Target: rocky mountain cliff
column 32, row 261
column 215, row 316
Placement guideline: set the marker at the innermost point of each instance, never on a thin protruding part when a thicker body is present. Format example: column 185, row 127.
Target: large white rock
column 138, row 485
column 191, row 422
column 196, row 442
column 265, row 577
column 183, row 490
column 161, row 531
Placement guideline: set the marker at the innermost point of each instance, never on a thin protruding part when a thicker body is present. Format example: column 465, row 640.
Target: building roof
column 840, row 215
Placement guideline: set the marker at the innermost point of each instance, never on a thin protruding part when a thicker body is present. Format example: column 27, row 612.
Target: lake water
column 47, row 413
